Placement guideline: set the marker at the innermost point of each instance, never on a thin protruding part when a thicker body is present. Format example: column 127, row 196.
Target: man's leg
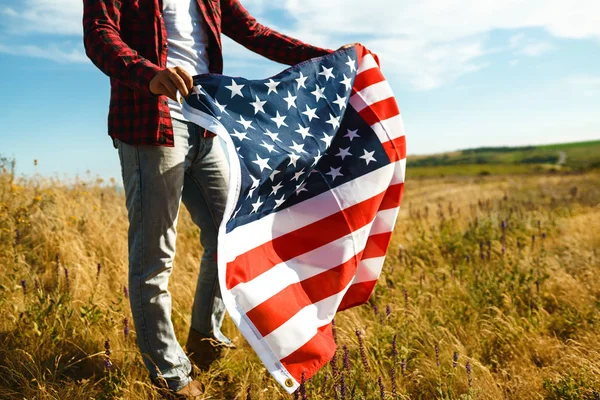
column 205, row 195
column 153, row 177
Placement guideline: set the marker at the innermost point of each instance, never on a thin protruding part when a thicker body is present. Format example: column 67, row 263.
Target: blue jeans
column 156, row 180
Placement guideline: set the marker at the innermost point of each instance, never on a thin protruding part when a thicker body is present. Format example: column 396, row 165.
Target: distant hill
column 575, row 156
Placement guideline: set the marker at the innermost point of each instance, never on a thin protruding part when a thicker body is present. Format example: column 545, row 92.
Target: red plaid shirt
column 126, row 39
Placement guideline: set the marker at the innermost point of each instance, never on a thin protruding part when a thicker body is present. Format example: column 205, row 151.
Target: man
column 150, row 49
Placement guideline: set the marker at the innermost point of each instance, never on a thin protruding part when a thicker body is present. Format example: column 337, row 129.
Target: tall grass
column 490, row 290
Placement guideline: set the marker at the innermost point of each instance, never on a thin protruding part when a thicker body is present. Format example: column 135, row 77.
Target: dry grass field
column 491, row 290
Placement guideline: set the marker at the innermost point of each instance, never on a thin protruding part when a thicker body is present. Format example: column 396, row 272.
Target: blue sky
column 466, row 73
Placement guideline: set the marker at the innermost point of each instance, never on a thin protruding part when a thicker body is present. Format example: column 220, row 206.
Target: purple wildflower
column 107, row 353
column 24, row 286
column 437, row 354
column 125, row 292
column 393, row 378
column 469, row 371
column 403, row 367
column 537, row 286
column 17, row 237
column 503, row 226
column 532, row 241
column 343, row 387
column 395, row 350
column 126, row 328
column 67, row 280
column 455, row 359
column 388, row 311
column 98, row 269
column 375, row 309
column 248, row 391
column 543, row 235
column 361, row 347
column 346, row 358
column 324, row 385
column 353, row 392
column 302, row 387
column 333, row 331
column 381, row 388
column 334, row 365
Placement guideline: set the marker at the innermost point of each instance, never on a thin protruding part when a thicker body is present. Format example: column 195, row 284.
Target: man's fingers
column 178, row 82
column 187, row 78
column 169, row 89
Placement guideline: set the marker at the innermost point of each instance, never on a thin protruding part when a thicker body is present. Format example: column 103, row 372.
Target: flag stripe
column 357, row 294
column 379, row 111
column 300, row 328
column 367, row 63
column 371, row 95
column 366, row 79
column 249, row 236
column 252, row 293
column 389, row 129
column 312, row 355
column 317, row 234
column 395, row 148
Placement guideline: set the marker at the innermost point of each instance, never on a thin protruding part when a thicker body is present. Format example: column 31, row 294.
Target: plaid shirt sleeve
column 105, row 47
column 239, row 25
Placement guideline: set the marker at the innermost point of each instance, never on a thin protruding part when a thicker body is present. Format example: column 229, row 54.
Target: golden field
column 491, row 290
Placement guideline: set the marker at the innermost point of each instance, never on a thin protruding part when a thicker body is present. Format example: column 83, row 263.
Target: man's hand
column 347, row 45
column 169, row 80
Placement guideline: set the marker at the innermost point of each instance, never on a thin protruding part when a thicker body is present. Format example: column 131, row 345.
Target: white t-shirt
column 188, row 40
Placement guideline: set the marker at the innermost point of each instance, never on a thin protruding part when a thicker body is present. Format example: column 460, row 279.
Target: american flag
column 317, row 159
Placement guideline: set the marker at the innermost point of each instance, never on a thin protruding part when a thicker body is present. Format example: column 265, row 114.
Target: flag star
column 311, row 113
column 255, row 182
column 274, row 136
column 236, row 213
column 303, row 131
column 236, row 90
column 368, row 156
column 269, row 147
column 279, row 120
column 258, row 105
column 341, row 101
column 298, row 174
column 298, row 148
column 256, row 206
column 318, row 93
column 347, row 82
column 262, row 163
column 293, row 159
column 279, row 202
column 238, row 151
column 250, row 193
column 352, row 64
column 301, row 81
column 334, row 172
column 301, row 188
column 240, row 135
column 352, row 134
column 276, row 188
column 317, row 158
column 334, row 121
column 247, row 124
column 291, row 100
column 344, row 152
column 272, row 85
column 327, row 73
column 327, row 139
column 272, row 177
column 221, row 106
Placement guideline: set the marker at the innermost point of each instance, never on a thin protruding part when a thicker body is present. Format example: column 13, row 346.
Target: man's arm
column 238, row 24
column 107, row 50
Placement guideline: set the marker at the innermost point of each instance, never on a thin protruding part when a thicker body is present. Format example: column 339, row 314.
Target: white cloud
column 584, row 80
column 54, row 17
column 426, row 43
column 52, row 52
